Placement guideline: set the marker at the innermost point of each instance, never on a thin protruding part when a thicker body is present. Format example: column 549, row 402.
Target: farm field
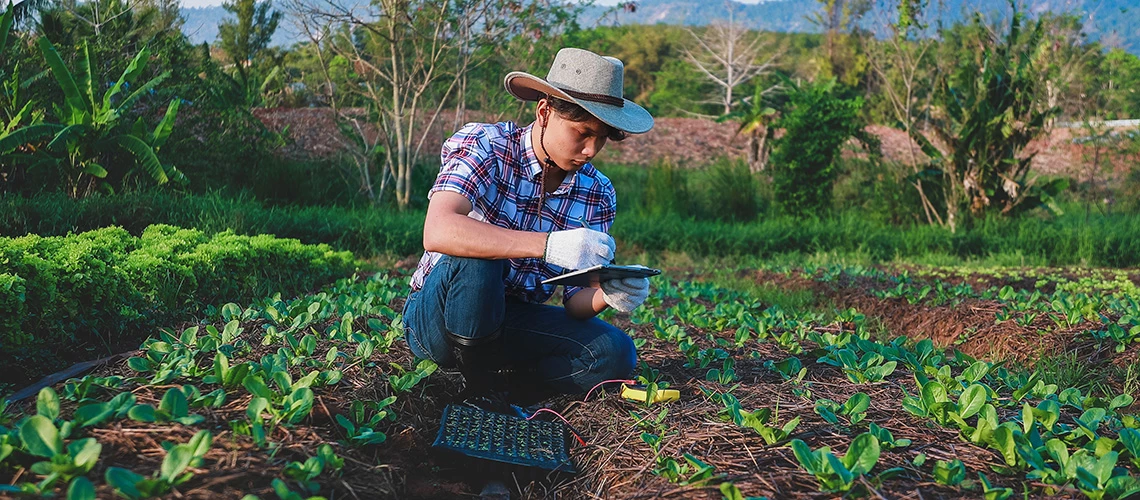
column 796, row 381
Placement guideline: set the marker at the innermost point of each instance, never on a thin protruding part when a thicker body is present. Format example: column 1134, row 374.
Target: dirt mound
column 968, row 326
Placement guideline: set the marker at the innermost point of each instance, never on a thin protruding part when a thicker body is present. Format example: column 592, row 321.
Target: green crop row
column 103, row 290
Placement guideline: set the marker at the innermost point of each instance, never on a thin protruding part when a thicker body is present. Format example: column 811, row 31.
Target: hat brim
column 629, row 117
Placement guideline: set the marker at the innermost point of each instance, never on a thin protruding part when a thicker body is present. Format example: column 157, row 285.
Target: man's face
column 570, row 144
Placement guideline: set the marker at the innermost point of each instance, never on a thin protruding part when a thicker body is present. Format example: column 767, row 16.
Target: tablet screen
column 597, row 274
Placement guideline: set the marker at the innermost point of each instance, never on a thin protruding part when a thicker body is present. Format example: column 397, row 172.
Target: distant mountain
column 1112, row 21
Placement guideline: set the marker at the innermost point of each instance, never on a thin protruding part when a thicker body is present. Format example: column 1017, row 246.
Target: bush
column 816, row 125
column 103, row 290
column 366, row 231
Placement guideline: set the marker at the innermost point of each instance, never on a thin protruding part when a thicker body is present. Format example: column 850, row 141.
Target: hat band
column 601, row 98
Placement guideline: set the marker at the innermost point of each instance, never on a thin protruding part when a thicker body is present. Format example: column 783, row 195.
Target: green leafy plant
column 305, row 473
column 171, row 474
column 950, row 473
column 855, row 408
column 362, row 430
column 839, row 474
column 409, row 378
column 763, row 421
column 41, row 438
column 173, row 407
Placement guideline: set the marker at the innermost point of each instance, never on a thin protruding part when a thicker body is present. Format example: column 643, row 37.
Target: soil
column 616, row 463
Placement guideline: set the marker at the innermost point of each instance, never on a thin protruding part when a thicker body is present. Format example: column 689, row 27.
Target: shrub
column 102, row 290
column 818, row 122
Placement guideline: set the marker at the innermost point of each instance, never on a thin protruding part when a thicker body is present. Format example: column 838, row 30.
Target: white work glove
column 580, row 248
column 625, row 294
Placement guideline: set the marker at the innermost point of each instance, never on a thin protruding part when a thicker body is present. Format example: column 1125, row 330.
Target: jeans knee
column 620, row 358
column 479, row 272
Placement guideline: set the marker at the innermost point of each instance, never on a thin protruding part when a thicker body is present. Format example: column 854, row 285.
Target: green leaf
column 124, row 481
column 862, row 454
column 95, row 170
column 142, row 413
column 139, row 364
column 971, row 400
column 164, row 127
column 174, row 403
column 27, row 135
column 176, row 461
column 144, row 156
column 808, row 460
column 949, row 473
column 81, row 489
column 933, row 392
column 1004, row 441
column 73, row 98
column 976, row 371
column 1120, row 401
column 6, row 25
column 131, row 72
column 47, row 403
column 140, row 91
column 40, row 437
column 857, row 403
column 84, row 453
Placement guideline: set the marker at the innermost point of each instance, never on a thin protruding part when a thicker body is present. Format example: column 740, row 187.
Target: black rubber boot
column 482, row 363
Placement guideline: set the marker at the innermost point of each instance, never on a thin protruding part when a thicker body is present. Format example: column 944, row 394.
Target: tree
column 817, row 122
column 986, row 112
column 730, row 55
column 755, row 118
column 903, row 70
column 839, row 20
column 404, row 60
column 245, row 38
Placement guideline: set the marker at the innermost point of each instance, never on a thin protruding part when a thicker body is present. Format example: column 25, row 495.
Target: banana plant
column 91, row 134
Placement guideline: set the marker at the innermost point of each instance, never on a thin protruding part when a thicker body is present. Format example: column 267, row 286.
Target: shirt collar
column 534, row 166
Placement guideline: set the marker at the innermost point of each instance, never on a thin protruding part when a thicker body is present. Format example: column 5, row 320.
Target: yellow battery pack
column 641, row 395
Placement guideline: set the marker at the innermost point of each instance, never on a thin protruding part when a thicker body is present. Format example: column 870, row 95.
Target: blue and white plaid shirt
column 495, row 166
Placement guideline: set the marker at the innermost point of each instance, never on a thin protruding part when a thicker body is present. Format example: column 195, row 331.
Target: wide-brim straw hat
column 589, row 80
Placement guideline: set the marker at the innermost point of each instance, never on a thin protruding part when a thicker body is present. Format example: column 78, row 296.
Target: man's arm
column 585, row 304
column 448, row 230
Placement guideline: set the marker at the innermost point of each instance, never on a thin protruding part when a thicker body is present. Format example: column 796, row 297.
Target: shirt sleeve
column 467, row 164
column 600, row 218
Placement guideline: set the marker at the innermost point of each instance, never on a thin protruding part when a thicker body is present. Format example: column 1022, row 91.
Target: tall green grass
column 649, row 221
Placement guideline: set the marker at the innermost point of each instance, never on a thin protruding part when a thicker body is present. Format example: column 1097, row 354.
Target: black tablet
column 597, row 274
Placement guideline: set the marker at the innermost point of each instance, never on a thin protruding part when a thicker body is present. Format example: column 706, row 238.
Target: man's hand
column 625, row 294
column 581, row 248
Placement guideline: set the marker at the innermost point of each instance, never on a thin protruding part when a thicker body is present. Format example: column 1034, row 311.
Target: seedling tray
column 478, row 433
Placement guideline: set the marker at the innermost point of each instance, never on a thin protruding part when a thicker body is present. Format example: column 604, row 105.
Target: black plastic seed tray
column 478, row 433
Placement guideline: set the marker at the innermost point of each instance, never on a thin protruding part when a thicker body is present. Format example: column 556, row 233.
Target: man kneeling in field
column 512, row 207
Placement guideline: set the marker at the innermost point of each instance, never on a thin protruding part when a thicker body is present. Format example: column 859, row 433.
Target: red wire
column 548, row 410
column 591, row 391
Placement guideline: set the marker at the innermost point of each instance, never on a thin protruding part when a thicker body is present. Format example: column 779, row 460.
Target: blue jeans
column 466, row 297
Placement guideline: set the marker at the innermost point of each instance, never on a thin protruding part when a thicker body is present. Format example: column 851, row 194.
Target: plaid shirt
column 495, row 166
